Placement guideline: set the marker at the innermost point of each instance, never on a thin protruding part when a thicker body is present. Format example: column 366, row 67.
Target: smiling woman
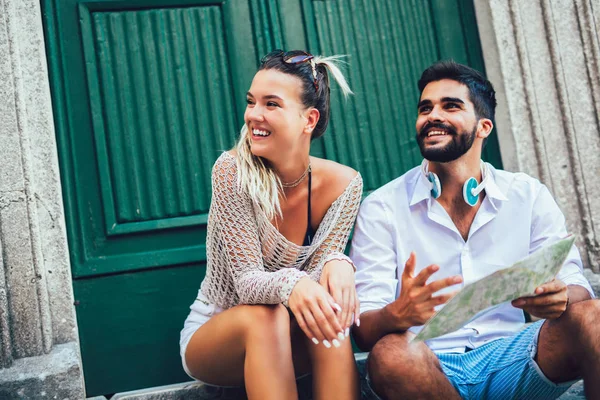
column 278, row 298
column 290, row 90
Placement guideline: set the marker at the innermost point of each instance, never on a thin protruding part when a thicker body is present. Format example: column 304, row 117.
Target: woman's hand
column 314, row 309
column 338, row 278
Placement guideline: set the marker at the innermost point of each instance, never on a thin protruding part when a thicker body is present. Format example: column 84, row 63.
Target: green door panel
column 150, row 104
column 148, row 93
column 152, row 92
column 129, row 327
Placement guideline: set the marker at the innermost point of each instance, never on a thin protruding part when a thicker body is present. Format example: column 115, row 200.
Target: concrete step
column 200, row 391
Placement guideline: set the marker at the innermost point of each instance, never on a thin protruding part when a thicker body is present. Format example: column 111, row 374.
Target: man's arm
column 549, row 225
column 552, row 299
column 373, row 252
column 570, row 286
column 375, row 324
column 577, row 293
column 414, row 306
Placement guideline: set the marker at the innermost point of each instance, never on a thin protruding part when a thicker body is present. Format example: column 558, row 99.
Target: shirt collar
column 492, row 189
column 422, row 188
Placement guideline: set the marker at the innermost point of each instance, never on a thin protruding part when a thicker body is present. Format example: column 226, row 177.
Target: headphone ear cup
column 468, row 187
column 436, row 185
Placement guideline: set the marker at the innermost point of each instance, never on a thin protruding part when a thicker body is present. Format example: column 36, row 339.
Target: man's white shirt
column 517, row 216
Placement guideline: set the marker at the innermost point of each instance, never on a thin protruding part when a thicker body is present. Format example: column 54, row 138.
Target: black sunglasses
column 294, row 57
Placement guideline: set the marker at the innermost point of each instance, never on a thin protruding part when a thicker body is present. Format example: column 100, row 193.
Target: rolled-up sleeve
column 548, row 225
column 374, row 255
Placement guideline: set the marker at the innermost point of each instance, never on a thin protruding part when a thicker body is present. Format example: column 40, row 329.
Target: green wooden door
column 147, row 93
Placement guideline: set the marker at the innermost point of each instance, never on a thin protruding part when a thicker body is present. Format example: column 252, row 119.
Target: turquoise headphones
column 471, row 188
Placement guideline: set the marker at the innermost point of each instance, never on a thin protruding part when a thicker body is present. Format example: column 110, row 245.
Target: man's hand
column 416, row 302
column 549, row 303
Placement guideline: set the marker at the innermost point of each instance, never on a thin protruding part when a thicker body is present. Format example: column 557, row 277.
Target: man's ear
column 485, row 126
column 312, row 116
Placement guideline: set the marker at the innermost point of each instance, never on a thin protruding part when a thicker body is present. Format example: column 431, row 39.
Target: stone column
column 543, row 58
column 39, row 349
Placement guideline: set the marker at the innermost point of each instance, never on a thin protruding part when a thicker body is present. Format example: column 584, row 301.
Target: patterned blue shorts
column 502, row 369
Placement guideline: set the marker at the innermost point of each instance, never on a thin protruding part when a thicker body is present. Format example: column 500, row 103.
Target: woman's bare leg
column 243, row 345
column 334, row 371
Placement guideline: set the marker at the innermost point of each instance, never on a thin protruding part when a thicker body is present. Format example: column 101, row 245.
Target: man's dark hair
column 481, row 91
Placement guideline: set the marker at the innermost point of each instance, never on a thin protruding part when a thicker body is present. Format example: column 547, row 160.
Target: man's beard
column 459, row 145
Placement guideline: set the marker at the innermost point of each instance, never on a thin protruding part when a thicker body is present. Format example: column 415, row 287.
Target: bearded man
column 456, row 219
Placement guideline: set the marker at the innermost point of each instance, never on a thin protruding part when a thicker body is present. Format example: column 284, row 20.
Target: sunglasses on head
column 294, row 57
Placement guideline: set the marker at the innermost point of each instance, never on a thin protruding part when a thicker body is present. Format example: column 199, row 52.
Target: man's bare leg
column 569, row 347
column 399, row 369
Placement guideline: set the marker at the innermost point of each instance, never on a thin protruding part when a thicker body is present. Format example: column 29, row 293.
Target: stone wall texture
column 543, row 57
column 39, row 348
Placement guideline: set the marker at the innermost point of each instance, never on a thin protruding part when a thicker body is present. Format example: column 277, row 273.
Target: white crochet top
column 248, row 260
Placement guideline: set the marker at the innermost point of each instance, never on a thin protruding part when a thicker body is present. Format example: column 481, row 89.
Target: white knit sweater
column 248, row 260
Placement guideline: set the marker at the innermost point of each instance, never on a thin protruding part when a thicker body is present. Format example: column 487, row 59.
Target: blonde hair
column 331, row 63
column 255, row 174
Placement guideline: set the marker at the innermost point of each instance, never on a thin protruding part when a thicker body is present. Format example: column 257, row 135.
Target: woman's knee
column 266, row 320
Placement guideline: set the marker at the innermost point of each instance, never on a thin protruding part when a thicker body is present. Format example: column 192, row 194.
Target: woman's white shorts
column 201, row 311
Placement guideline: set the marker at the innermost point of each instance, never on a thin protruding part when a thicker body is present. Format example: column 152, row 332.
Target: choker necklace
column 297, row 181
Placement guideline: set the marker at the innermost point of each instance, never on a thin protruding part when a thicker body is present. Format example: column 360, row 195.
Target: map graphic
column 519, row 280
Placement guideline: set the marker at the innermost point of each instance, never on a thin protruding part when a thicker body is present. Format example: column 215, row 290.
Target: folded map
column 521, row 279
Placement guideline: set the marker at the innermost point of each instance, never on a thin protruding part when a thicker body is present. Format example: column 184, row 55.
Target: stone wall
column 39, row 350
column 543, row 58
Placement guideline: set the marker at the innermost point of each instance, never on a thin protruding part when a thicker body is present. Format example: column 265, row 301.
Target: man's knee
column 393, row 361
column 575, row 334
column 581, row 319
column 567, row 344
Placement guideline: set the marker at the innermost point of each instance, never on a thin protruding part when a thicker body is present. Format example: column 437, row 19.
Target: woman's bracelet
column 339, row 257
